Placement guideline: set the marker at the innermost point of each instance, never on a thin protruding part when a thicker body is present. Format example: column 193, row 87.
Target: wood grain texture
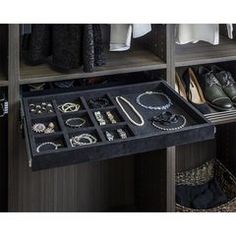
column 97, row 186
column 117, row 63
column 13, row 117
column 204, row 53
column 3, row 164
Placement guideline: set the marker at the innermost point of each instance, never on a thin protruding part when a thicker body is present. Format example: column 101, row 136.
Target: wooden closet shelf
column 117, row 63
column 203, row 53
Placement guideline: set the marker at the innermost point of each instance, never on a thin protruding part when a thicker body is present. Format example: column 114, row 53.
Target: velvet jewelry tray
column 139, row 139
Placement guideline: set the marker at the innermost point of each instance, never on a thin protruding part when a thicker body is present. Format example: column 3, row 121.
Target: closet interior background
column 143, row 182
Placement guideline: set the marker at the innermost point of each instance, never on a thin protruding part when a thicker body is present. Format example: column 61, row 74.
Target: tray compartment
column 105, row 96
column 54, row 138
column 38, row 105
column 118, row 118
column 60, row 100
column 46, row 121
column 83, row 115
column 90, row 131
column 140, row 139
column 113, row 130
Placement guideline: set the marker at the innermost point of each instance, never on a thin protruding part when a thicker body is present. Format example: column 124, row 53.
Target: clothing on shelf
column 121, row 35
column 203, row 196
column 192, row 33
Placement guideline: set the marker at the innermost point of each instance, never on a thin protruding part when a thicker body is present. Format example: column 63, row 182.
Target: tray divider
column 61, row 124
column 128, row 123
column 95, row 123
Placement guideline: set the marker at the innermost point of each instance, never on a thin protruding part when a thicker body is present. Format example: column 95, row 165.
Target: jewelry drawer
column 90, row 125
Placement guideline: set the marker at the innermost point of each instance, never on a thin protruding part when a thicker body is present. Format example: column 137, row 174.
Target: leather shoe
column 194, row 91
column 213, row 90
column 227, row 82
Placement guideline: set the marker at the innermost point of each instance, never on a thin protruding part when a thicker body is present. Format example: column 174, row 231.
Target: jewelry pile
column 41, row 128
column 69, row 107
column 41, row 108
column 82, row 139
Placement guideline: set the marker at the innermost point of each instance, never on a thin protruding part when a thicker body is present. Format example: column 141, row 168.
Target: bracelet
column 69, row 107
column 98, row 102
column 78, row 140
column 54, row 145
column 69, row 122
column 134, row 110
column 164, row 107
column 166, row 120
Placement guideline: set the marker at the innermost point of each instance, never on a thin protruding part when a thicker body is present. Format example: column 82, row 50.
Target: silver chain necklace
column 164, row 107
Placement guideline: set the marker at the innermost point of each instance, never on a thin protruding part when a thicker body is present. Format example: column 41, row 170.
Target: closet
column 138, row 182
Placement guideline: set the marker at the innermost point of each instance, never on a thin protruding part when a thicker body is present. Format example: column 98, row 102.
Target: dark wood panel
column 204, row 53
column 3, row 164
column 98, row 186
column 117, row 63
column 193, row 155
column 151, row 181
column 226, row 148
column 13, row 117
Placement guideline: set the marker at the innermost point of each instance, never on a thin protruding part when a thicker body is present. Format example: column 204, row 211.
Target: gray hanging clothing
column 192, row 33
column 121, row 35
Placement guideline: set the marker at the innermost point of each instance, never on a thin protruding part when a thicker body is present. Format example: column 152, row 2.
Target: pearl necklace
column 133, row 108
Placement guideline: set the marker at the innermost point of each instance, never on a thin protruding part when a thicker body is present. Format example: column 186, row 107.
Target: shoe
column 213, row 90
column 227, row 82
column 179, row 86
column 194, row 91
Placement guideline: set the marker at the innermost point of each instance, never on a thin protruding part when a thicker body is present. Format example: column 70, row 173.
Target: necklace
column 166, row 119
column 163, row 107
column 126, row 113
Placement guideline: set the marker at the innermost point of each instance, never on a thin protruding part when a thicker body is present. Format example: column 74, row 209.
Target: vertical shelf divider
column 171, row 151
column 13, row 116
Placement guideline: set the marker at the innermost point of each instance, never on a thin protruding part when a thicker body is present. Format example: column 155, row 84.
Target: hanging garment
column 192, row 33
column 121, row 35
column 88, row 48
column 37, row 45
column 67, row 46
column 64, row 46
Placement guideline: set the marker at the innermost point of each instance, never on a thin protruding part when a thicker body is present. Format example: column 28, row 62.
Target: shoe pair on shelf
column 217, row 85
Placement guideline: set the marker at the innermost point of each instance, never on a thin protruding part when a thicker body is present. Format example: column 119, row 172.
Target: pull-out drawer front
column 139, row 138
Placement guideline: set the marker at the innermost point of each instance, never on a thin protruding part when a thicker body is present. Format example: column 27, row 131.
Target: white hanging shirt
column 192, row 33
column 121, row 35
